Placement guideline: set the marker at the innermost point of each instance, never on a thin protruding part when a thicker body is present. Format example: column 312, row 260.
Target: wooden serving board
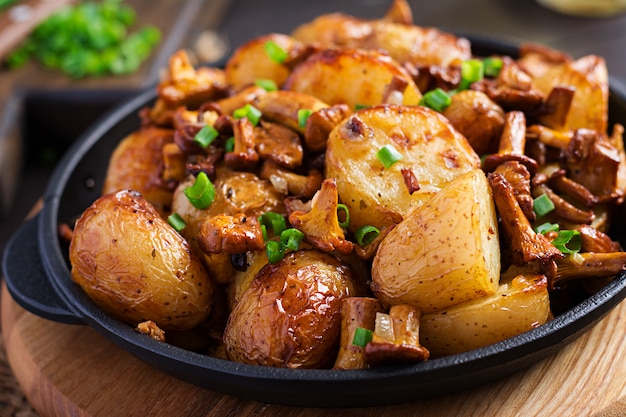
column 69, row 370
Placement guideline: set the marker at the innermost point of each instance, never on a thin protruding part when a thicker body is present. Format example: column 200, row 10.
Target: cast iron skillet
column 36, row 270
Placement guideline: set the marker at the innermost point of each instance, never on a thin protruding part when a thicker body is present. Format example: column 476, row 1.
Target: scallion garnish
column 364, row 235
column 273, row 220
column 290, row 238
column 492, row 66
column 176, row 221
column 436, row 99
column 202, row 192
column 267, row 85
column 229, row 145
column 388, row 155
column 472, row 70
column 343, row 213
column 206, row 136
column 568, row 241
column 275, row 251
column 360, row 106
column 303, row 116
column 248, row 112
column 547, row 228
column 542, row 205
column 362, row 337
column 275, row 52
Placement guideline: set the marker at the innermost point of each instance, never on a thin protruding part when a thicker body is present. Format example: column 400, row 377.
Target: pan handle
column 26, row 278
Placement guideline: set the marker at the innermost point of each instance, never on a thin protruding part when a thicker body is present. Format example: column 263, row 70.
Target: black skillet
column 36, row 271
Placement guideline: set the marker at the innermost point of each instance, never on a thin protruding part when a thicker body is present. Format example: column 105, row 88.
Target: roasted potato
column 432, row 150
column 136, row 267
column 444, row 252
column 135, row 165
column 290, row 314
column 519, row 305
column 351, row 76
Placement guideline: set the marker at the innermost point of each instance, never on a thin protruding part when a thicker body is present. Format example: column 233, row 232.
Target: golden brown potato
column 432, row 151
column 250, row 62
column 290, row 314
column 444, row 252
column 519, row 305
column 351, row 76
column 478, row 118
column 136, row 267
column 135, row 165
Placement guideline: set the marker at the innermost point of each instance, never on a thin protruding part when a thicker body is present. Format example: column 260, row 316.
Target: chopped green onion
column 547, row 228
column 267, row 85
column 201, row 193
column 542, row 205
column 388, row 155
column 229, row 145
column 362, row 337
column 275, row 251
column 275, row 52
column 176, row 221
column 290, row 238
column 206, row 136
column 342, row 208
column 364, row 235
column 492, row 66
column 472, row 70
column 249, row 112
column 263, row 230
column 568, row 241
column 303, row 116
column 436, row 99
column 273, row 220
column 360, row 106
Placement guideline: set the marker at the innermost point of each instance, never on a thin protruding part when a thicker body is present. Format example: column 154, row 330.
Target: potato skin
column 519, row 305
column 431, row 149
column 136, row 267
column 290, row 315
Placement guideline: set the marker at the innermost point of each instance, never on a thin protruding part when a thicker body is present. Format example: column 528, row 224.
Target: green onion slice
column 436, row 99
column 364, row 235
column 360, row 106
column 362, row 337
column 206, row 136
column 547, row 228
column 275, row 251
column 303, row 116
column 176, row 221
column 201, row 193
column 388, row 155
column 275, row 52
column 542, row 205
column 343, row 212
column 492, row 66
column 568, row 241
column 249, row 112
column 290, row 238
column 472, row 70
column 267, row 85
column 229, row 145
column 273, row 220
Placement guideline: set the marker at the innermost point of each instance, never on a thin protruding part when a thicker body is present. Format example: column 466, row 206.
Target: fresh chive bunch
column 88, row 39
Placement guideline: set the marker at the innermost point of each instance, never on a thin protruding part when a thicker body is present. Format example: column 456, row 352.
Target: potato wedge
column 432, row 150
column 444, row 252
column 519, row 305
column 351, row 76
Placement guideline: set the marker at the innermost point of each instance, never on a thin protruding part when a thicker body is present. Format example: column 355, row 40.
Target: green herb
column 542, row 205
column 176, row 221
column 303, row 116
column 388, row 155
column 201, row 193
column 206, row 136
column 547, row 228
column 568, row 241
column 248, row 112
column 362, row 337
column 290, row 238
column 343, row 212
column 229, row 145
column 267, row 85
column 472, row 70
column 275, row 52
column 492, row 66
column 275, row 251
column 273, row 220
column 365, row 235
column 436, row 99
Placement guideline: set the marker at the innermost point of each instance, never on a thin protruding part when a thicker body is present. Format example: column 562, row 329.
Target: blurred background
column 43, row 110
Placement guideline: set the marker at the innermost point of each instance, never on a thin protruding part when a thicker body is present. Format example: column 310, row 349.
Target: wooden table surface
column 73, row 371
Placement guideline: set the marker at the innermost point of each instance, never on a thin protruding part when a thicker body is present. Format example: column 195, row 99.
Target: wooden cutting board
column 69, row 370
